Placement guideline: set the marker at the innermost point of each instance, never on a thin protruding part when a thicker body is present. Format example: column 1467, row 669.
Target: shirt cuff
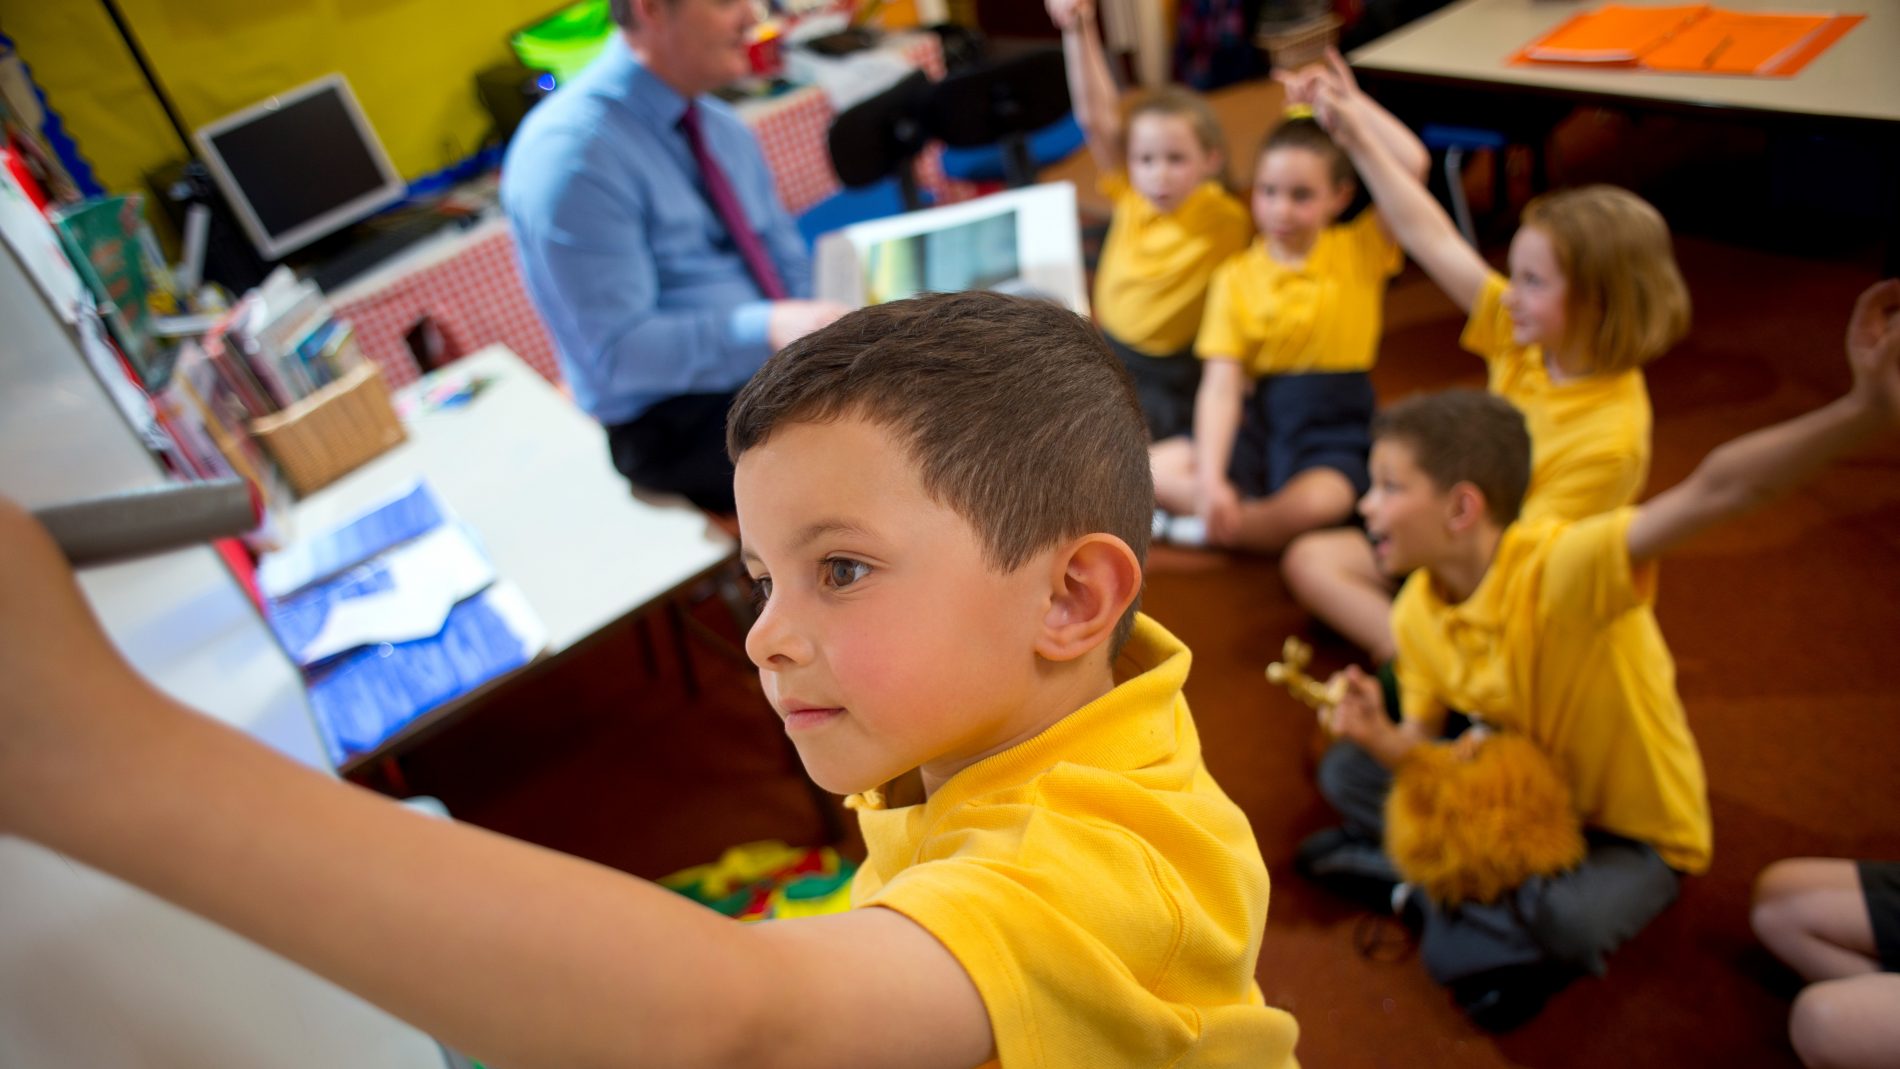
column 750, row 323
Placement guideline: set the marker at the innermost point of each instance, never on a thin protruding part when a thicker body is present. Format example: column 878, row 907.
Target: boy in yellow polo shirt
column 945, row 502
column 1546, row 629
column 1174, row 220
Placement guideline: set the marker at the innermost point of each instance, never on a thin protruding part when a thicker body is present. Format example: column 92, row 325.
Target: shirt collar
column 626, row 78
column 1488, row 605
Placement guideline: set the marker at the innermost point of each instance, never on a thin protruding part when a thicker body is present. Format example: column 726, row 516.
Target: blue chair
column 1454, row 142
column 988, row 163
column 847, row 206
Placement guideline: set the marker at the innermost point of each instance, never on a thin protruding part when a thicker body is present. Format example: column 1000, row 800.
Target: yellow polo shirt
column 1589, row 436
column 1560, row 643
column 1104, row 895
column 1321, row 316
column 1151, row 278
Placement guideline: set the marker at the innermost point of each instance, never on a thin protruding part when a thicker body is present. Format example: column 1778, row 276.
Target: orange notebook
column 1690, row 39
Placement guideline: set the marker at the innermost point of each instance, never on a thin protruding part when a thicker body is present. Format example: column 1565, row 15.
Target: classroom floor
column 1778, row 623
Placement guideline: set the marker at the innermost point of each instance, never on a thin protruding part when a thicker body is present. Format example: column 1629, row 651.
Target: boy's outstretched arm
column 1405, row 206
column 514, row 954
column 1092, row 91
column 1762, row 465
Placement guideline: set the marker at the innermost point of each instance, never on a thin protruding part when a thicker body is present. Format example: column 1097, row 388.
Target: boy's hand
column 1873, row 348
column 792, row 320
column 1360, row 716
column 1070, row 14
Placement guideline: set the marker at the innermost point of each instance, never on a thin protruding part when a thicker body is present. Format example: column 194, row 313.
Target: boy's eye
column 761, row 589
column 841, row 572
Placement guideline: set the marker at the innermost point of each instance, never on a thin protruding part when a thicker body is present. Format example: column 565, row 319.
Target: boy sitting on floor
column 946, row 502
column 1546, row 629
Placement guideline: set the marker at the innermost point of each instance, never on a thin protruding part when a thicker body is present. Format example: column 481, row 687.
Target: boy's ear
column 1466, row 507
column 1092, row 581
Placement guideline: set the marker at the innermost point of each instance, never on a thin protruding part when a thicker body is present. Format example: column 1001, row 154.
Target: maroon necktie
column 726, row 203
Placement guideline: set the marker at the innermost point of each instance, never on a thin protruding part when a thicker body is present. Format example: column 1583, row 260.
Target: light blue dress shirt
column 631, row 268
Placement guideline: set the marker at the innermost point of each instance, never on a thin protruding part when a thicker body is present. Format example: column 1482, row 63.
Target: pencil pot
column 332, row 432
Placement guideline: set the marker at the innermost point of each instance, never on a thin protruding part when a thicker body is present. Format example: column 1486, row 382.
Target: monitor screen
column 1022, row 241
column 565, row 41
column 300, row 165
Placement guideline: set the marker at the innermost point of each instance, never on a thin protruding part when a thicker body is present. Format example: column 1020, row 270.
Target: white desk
column 1471, row 42
column 532, row 474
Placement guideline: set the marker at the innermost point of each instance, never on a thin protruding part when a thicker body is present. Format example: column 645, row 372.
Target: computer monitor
column 300, row 165
column 566, row 41
column 1023, row 241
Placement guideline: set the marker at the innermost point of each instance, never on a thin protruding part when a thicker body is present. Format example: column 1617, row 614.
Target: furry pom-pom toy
column 1469, row 819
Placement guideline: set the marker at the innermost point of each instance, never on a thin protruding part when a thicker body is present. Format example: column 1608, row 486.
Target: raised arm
column 1396, row 138
column 1092, row 91
column 1405, row 206
column 1762, row 465
column 511, row 953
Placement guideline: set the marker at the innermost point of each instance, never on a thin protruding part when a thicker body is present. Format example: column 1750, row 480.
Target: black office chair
column 879, row 138
column 1001, row 103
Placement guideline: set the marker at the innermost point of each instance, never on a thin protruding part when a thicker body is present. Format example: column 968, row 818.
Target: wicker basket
column 1292, row 45
column 332, row 432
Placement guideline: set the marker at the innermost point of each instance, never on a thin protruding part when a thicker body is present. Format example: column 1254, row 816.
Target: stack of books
column 280, row 371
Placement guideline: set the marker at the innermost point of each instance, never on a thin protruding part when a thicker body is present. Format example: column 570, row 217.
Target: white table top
column 532, row 474
column 1858, row 77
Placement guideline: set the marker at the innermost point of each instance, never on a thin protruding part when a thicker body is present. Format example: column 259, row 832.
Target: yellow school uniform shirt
column 1589, row 436
column 1151, row 278
column 1560, row 643
column 1321, row 316
column 1104, row 895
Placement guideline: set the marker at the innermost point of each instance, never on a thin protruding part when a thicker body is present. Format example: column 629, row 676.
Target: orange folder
column 1613, row 34
column 1693, row 39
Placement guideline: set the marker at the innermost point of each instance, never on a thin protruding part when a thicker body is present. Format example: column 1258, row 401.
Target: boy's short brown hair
column 1625, row 300
column 1014, row 410
column 1305, row 132
column 1174, row 101
column 1465, row 436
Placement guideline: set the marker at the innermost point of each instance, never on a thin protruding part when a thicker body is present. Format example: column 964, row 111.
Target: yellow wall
column 411, row 63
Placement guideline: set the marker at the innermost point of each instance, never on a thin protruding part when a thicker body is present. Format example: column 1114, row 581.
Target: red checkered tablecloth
column 470, row 286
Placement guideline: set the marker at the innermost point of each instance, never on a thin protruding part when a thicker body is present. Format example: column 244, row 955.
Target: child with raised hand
column 1279, row 439
column 1593, row 295
column 1053, row 877
column 1546, row 628
column 1174, row 220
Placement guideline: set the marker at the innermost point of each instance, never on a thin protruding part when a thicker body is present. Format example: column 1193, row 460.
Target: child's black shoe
column 1502, row 1000
column 1349, row 866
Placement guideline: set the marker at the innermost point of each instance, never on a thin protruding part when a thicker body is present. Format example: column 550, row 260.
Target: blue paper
column 369, row 693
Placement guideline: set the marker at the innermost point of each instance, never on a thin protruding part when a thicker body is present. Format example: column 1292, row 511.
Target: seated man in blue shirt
column 658, row 317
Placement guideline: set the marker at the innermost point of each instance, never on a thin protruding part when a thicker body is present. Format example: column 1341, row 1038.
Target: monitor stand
column 337, row 260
